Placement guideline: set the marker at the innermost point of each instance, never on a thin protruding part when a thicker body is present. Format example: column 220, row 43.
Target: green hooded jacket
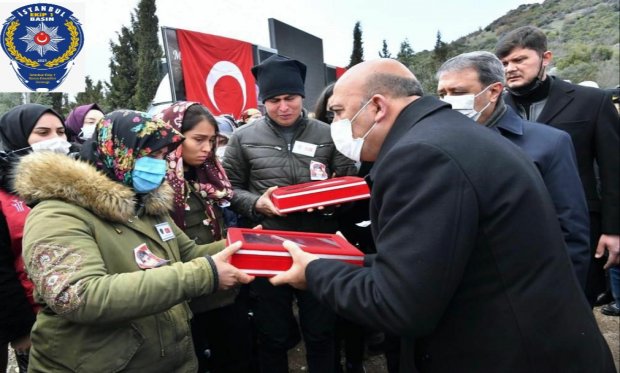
column 102, row 312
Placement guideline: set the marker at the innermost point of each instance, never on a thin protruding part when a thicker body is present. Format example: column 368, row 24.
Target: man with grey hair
column 473, row 83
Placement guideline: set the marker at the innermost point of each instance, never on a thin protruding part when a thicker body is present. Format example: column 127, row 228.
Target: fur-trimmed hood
column 46, row 175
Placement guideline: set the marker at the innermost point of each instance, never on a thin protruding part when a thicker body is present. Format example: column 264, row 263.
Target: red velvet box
column 300, row 197
column 263, row 255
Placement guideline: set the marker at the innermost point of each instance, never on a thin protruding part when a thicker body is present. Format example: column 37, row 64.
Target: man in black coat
column 589, row 117
column 473, row 83
column 285, row 147
column 471, row 267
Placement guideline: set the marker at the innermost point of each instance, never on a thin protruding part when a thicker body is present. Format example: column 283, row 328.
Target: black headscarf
column 17, row 124
column 122, row 137
column 15, row 128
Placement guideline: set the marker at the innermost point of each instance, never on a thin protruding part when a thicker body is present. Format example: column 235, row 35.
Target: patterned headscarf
column 211, row 181
column 123, row 136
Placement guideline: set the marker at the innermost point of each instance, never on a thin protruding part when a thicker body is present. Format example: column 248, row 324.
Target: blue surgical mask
column 148, row 174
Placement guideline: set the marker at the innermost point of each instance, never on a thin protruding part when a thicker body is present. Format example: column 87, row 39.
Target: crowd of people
column 491, row 232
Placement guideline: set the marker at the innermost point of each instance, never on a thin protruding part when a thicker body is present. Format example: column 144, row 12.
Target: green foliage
column 136, row 56
column 441, row 50
column 92, row 94
column 582, row 53
column 57, row 100
column 385, row 52
column 405, row 54
column 149, row 54
column 582, row 34
column 123, row 69
column 9, row 100
column 424, row 66
column 357, row 55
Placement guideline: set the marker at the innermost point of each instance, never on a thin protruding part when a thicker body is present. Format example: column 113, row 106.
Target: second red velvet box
column 262, row 253
column 300, row 197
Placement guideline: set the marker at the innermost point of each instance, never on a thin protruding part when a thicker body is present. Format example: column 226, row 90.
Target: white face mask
column 57, row 145
column 87, row 131
column 342, row 134
column 464, row 104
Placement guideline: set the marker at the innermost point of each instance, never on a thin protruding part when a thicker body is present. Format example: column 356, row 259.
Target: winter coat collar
column 46, row 175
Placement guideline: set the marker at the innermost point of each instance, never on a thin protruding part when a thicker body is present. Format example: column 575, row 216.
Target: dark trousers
column 596, row 283
column 352, row 335
column 4, row 357
column 227, row 336
column 277, row 329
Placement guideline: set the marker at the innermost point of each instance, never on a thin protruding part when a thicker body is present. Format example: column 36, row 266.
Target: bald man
column 471, row 267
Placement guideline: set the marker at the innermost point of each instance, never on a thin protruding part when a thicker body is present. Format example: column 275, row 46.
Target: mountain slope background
column 583, row 35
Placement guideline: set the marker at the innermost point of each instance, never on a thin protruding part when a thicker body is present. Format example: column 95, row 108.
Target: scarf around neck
column 209, row 180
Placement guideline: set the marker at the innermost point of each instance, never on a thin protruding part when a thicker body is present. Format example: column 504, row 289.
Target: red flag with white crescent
column 217, row 72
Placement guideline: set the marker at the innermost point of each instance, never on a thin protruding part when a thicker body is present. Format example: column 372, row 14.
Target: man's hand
column 611, row 243
column 264, row 204
column 228, row 274
column 296, row 275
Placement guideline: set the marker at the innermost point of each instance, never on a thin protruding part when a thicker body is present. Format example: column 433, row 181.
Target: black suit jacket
column 471, row 267
column 590, row 118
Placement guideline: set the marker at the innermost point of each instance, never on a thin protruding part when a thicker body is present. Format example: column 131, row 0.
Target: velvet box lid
column 333, row 191
column 262, row 253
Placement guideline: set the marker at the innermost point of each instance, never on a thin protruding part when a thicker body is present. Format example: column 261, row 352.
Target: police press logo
column 42, row 40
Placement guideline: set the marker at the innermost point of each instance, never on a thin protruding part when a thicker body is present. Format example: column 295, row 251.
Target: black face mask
column 531, row 86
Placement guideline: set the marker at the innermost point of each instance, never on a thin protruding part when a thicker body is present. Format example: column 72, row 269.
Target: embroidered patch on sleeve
column 51, row 268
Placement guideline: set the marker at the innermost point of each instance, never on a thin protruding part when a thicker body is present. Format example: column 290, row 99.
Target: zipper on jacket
column 292, row 165
column 290, row 156
column 278, row 148
column 161, row 340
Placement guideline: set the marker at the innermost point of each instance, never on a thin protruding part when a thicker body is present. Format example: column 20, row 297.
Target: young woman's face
column 47, row 127
column 92, row 117
column 199, row 143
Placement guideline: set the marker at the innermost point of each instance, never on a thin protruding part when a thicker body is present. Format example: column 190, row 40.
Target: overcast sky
column 330, row 20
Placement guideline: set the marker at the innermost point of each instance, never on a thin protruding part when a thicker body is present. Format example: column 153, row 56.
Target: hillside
column 583, row 35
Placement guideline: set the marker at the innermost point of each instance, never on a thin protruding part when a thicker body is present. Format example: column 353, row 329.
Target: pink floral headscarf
column 212, row 183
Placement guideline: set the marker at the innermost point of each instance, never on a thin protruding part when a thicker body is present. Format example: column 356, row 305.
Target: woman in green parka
column 111, row 269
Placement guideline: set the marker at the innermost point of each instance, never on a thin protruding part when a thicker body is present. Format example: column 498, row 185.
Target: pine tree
column 357, row 55
column 57, row 102
column 149, row 54
column 405, row 54
column 441, row 51
column 385, row 52
column 92, row 94
column 123, row 69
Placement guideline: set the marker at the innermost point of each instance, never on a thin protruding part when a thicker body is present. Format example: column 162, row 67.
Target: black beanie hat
column 279, row 75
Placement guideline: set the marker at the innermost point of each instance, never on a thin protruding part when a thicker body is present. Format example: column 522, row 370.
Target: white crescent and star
column 41, row 39
column 220, row 70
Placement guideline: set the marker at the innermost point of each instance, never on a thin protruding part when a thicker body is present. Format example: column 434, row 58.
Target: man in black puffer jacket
column 285, row 147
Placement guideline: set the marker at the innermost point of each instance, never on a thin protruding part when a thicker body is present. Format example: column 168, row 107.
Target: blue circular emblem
column 42, row 40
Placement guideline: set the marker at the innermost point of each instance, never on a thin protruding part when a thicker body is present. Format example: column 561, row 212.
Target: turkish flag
column 216, row 72
column 340, row 71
